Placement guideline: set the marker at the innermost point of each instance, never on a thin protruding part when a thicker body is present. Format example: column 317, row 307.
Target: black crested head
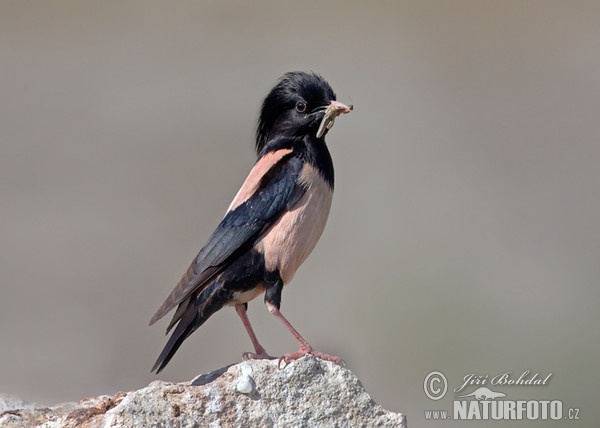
column 294, row 107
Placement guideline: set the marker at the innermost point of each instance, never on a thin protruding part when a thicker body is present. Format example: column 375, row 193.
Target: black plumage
column 273, row 222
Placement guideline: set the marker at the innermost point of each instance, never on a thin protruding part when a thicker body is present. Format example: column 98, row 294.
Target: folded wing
column 272, row 188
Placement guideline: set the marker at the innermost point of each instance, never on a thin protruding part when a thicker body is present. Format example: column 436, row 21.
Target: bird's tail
column 198, row 310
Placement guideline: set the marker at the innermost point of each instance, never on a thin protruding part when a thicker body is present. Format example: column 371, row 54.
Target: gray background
column 464, row 235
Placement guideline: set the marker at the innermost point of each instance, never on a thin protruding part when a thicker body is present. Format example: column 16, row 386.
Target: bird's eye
column 301, row 106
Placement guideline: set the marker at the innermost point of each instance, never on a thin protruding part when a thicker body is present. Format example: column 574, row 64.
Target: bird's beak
column 333, row 110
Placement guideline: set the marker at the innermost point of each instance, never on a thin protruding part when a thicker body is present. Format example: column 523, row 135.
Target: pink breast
column 293, row 237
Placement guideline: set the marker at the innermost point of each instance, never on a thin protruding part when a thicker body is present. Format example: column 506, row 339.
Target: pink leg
column 259, row 351
column 305, row 347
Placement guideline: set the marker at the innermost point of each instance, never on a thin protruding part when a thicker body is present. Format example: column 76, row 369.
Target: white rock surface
column 306, row 393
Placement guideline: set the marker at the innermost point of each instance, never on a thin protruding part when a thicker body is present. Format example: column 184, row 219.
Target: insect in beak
column 333, row 110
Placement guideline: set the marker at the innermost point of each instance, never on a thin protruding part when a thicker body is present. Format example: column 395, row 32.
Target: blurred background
column 464, row 235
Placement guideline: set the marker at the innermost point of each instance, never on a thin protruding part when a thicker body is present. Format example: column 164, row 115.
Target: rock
column 10, row 402
column 309, row 392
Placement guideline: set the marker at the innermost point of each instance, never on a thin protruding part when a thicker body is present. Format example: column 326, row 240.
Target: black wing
column 279, row 190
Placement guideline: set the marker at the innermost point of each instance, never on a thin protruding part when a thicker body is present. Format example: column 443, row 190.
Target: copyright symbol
column 431, row 386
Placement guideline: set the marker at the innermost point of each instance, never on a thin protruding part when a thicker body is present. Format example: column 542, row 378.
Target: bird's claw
column 257, row 356
column 287, row 358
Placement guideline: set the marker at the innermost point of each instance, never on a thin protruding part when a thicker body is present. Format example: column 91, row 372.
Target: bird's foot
column 306, row 350
column 262, row 355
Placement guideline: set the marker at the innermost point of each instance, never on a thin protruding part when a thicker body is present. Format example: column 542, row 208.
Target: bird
column 273, row 222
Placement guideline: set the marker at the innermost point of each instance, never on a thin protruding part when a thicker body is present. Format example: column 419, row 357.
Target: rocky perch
column 306, row 393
